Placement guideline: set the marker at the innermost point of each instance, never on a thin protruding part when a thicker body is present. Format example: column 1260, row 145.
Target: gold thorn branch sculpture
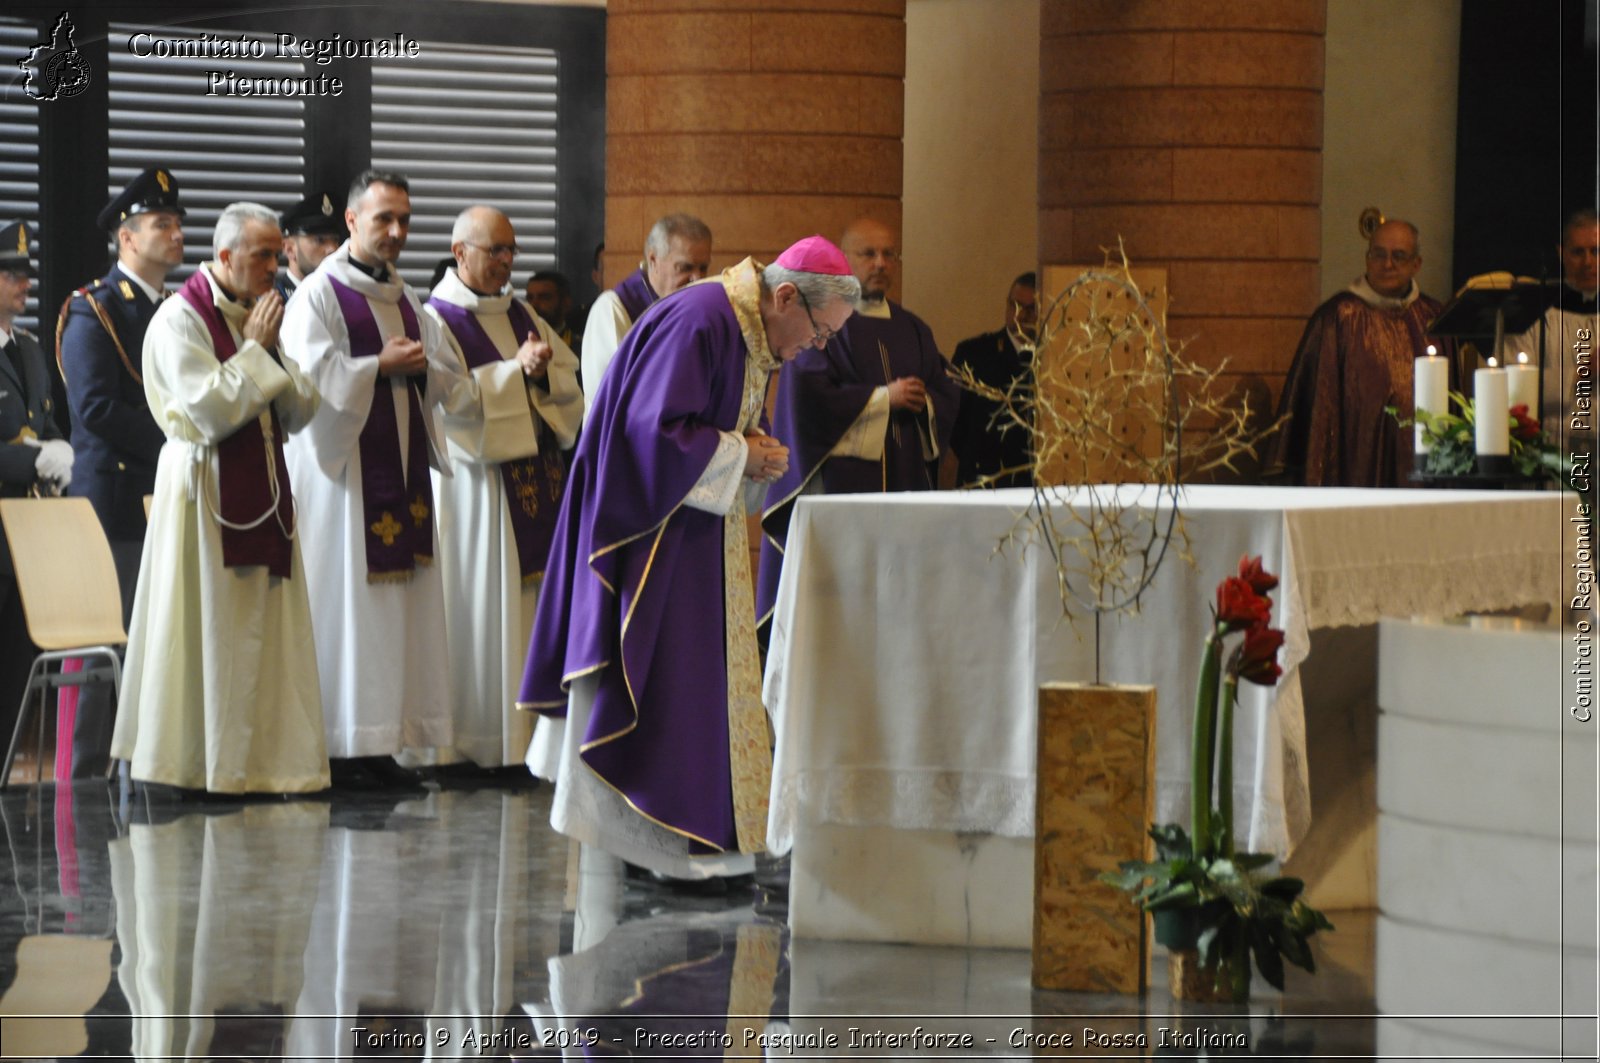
column 1108, row 399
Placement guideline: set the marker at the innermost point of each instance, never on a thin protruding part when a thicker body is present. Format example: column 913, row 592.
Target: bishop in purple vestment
column 644, row 638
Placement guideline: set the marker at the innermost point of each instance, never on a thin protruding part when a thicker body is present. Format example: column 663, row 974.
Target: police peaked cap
column 153, row 190
column 16, row 247
column 314, row 215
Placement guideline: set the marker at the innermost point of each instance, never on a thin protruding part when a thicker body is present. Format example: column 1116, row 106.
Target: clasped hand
column 402, row 357
column 264, row 320
column 534, row 356
column 908, row 393
column 766, row 460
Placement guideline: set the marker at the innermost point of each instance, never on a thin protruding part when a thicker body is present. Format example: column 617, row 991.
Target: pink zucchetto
column 815, row 254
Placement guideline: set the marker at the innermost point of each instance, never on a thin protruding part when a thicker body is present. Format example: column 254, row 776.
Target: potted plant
column 1214, row 908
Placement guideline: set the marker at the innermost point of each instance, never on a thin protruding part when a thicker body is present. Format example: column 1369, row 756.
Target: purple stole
column 244, row 482
column 526, row 481
column 636, row 294
column 397, row 510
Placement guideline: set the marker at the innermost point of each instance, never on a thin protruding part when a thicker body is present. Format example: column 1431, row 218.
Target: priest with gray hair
column 644, row 643
column 677, row 252
column 221, row 689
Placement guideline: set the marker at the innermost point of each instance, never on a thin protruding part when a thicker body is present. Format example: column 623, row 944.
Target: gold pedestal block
column 1096, row 796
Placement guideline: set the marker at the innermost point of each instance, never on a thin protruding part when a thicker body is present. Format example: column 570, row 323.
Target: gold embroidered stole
column 751, row 987
column 749, row 739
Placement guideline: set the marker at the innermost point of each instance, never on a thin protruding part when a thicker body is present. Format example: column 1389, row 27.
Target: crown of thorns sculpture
column 1106, row 398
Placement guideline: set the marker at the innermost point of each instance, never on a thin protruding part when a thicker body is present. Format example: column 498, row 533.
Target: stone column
column 768, row 123
column 1194, row 132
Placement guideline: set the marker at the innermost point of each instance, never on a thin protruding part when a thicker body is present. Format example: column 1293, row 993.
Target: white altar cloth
column 906, row 653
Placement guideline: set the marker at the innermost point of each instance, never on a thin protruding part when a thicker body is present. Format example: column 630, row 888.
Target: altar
column 908, row 645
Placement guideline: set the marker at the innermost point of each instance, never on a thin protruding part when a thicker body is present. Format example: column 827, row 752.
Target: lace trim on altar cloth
column 958, row 801
column 1494, row 579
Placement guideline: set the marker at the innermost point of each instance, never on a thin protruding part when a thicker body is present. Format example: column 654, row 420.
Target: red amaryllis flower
column 1239, row 606
column 1524, row 427
column 1261, row 581
column 1256, row 659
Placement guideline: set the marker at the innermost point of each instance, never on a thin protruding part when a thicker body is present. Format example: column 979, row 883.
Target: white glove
column 54, row 462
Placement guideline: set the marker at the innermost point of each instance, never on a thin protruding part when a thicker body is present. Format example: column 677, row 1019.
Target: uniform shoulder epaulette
column 100, row 291
column 91, row 294
column 89, row 291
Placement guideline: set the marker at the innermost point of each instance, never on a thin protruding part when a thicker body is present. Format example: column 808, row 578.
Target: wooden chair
column 70, row 599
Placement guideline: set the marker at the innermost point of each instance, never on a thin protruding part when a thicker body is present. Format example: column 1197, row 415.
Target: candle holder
column 1497, row 465
column 1452, row 462
column 1476, row 481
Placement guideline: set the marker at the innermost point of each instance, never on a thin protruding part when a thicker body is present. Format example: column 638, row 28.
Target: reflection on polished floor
column 440, row 928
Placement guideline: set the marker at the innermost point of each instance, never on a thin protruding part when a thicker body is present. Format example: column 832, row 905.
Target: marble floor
column 448, row 927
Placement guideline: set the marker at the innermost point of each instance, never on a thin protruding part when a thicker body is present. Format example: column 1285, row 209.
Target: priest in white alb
column 221, row 689
column 361, row 475
column 497, row 510
column 1567, row 332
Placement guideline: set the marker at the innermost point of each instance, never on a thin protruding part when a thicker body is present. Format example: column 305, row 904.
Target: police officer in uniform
column 34, row 458
column 312, row 229
column 99, row 345
column 27, row 411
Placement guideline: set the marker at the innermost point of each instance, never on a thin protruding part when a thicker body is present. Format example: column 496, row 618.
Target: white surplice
column 488, row 608
column 381, row 646
column 607, row 324
column 1568, row 337
column 221, row 686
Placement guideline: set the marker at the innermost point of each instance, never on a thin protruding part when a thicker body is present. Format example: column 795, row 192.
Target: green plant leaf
column 1296, row 950
column 1172, row 842
column 1178, row 896
column 1268, row 960
column 1284, row 887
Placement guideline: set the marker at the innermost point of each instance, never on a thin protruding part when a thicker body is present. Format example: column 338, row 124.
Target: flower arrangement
column 1212, row 902
column 1452, row 447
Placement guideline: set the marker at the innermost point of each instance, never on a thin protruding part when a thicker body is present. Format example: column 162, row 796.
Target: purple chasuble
column 397, row 507
column 244, row 483
column 633, row 592
column 636, row 294
column 532, row 485
column 820, row 395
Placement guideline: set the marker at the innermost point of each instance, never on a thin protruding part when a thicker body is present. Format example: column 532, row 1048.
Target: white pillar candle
column 1492, row 411
column 1522, row 384
column 1431, row 385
